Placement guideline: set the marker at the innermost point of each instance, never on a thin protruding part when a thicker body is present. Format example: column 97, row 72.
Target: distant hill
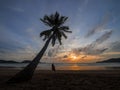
column 12, row 61
column 112, row 60
column 8, row 61
column 26, row 61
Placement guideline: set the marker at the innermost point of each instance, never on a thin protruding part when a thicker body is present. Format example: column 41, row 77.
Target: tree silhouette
column 56, row 32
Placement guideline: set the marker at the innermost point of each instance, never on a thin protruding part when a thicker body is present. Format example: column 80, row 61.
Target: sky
column 94, row 24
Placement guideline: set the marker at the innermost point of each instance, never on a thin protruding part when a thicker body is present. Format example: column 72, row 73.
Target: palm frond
column 46, row 22
column 45, row 37
column 52, row 19
column 46, row 33
column 67, row 31
column 59, row 37
column 56, row 18
column 53, row 40
column 65, row 18
column 57, row 31
column 63, row 34
column 64, row 28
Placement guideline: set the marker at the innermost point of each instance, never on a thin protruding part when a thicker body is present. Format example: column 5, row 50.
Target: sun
column 74, row 57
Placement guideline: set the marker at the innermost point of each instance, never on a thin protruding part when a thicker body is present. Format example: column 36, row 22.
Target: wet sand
column 64, row 80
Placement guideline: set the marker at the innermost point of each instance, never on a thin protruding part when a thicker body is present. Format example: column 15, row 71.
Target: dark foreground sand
column 64, row 80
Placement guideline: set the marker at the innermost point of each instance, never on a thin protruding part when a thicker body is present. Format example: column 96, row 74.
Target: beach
column 64, row 80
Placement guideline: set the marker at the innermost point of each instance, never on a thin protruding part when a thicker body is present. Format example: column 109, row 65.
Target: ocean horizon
column 67, row 66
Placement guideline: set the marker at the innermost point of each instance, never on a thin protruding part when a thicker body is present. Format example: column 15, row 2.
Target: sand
column 64, row 80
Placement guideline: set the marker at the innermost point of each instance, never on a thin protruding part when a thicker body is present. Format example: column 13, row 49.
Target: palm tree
column 56, row 32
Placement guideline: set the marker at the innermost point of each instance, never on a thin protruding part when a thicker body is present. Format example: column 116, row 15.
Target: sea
column 67, row 66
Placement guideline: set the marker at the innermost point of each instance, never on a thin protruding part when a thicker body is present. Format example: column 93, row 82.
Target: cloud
column 32, row 34
column 54, row 51
column 101, row 39
column 114, row 46
column 65, row 56
column 92, row 49
column 15, row 46
column 99, row 27
column 89, row 51
column 26, row 52
column 17, row 9
column 83, row 5
column 10, row 39
column 51, row 53
column 84, row 57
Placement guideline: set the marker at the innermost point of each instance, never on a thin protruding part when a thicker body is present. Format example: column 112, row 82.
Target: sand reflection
column 78, row 67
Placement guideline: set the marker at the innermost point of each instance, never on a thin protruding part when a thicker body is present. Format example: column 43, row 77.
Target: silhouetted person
column 53, row 68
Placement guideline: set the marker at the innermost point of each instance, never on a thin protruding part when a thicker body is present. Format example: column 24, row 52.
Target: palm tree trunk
column 27, row 73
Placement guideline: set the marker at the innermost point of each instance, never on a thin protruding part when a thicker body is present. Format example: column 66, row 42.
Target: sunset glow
column 95, row 31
